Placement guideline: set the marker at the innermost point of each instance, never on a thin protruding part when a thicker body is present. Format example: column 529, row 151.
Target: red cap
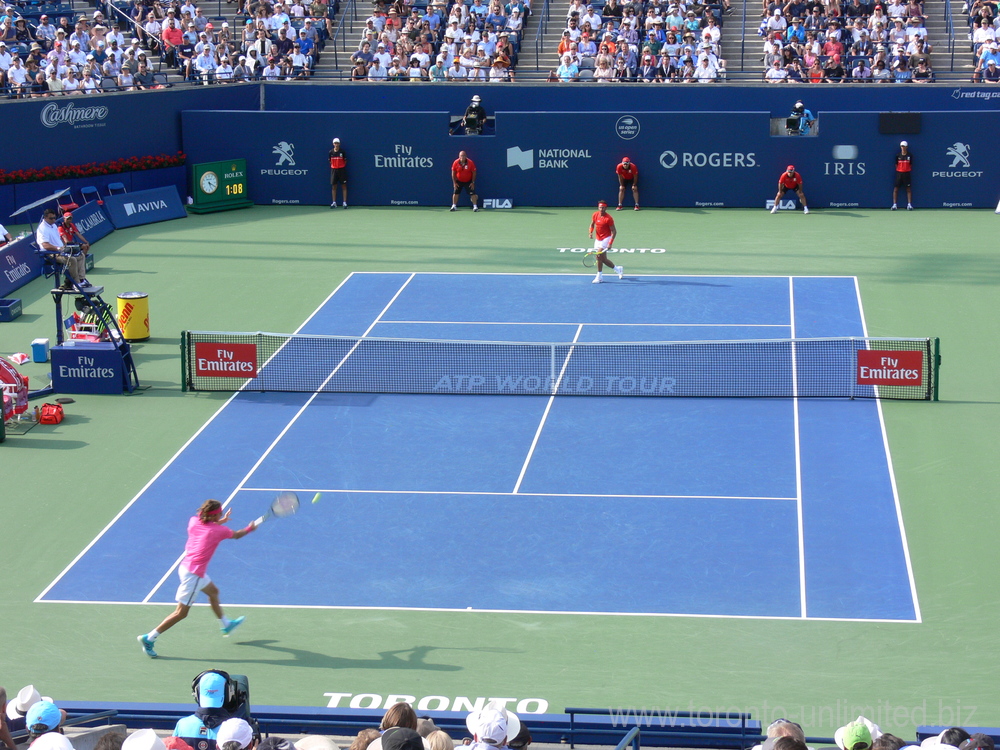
column 790, row 168
column 68, row 215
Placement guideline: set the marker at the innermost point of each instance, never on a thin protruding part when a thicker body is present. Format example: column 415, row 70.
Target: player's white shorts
column 190, row 586
column 602, row 244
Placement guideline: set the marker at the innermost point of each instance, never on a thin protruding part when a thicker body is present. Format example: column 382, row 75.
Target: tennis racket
column 285, row 504
column 590, row 258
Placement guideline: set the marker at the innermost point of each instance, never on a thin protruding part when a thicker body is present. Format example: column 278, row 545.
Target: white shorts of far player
column 190, row 586
column 602, row 244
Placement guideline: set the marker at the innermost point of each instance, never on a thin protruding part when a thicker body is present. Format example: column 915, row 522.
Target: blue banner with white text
column 685, row 159
column 92, row 222
column 19, row 264
column 144, row 207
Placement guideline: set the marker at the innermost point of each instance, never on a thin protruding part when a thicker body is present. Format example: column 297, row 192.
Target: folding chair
column 66, row 202
column 116, row 188
column 89, row 194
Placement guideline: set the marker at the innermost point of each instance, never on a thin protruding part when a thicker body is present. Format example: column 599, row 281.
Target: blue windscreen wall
column 694, row 159
column 718, row 135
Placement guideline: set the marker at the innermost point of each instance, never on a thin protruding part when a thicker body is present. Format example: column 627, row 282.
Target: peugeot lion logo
column 961, row 153
column 284, row 151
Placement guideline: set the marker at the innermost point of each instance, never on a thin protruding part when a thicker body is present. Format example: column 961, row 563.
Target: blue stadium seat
column 89, row 194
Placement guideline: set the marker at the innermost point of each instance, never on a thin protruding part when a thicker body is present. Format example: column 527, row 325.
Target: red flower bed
column 94, row 169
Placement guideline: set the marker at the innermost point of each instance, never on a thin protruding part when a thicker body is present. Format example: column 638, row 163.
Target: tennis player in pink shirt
column 205, row 532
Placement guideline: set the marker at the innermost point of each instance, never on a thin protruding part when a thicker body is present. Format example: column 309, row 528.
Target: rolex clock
column 219, row 186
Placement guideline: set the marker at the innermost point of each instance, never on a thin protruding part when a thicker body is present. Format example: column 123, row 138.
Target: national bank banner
column 144, row 207
column 685, row 159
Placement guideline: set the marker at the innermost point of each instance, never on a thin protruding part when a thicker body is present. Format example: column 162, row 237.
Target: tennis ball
column 317, row 496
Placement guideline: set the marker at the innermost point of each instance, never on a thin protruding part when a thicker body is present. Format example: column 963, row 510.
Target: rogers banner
column 890, row 368
column 225, row 360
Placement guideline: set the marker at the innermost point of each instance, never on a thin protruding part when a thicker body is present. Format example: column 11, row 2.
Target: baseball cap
column 212, row 691
column 402, row 738
column 790, row 168
column 854, row 736
column 903, row 143
column 978, row 741
column 44, row 716
column 143, row 739
column 336, row 140
column 234, row 730
column 493, row 723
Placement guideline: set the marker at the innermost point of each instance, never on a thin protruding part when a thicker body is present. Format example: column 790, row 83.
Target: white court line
column 173, row 458
column 475, row 493
column 589, row 275
column 798, row 456
column 288, row 426
column 545, row 414
column 360, row 608
column 892, row 476
column 571, row 323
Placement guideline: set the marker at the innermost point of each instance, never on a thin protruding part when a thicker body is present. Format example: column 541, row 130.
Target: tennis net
column 896, row 368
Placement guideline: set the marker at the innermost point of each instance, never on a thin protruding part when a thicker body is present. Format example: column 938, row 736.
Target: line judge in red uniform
column 338, row 172
column 602, row 223
column 463, row 177
column 628, row 177
column 790, row 180
column 904, row 172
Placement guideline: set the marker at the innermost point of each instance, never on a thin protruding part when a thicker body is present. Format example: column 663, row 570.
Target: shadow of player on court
column 408, row 658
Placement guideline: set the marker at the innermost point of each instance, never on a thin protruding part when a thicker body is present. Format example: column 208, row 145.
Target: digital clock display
column 219, row 186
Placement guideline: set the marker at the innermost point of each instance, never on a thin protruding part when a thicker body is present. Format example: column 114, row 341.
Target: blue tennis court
column 739, row 507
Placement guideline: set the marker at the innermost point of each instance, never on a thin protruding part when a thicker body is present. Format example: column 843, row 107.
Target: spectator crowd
column 43, row 55
column 477, row 41
column 645, row 41
column 845, row 41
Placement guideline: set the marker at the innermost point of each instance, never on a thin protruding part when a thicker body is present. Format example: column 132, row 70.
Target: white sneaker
column 909, row 207
column 775, row 209
column 805, row 209
column 619, row 270
column 475, row 208
column 453, row 208
column 893, row 207
column 597, row 279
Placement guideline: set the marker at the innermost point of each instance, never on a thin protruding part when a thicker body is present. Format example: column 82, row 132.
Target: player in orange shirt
column 463, row 177
column 628, row 177
column 790, row 180
column 602, row 223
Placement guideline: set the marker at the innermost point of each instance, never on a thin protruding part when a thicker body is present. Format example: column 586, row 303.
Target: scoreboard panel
column 219, row 186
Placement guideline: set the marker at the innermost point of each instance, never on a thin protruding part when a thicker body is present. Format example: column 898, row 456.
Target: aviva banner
column 144, row 207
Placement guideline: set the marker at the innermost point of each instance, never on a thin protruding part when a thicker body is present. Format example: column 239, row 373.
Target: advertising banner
column 92, row 222
column 695, row 160
column 19, row 264
column 145, row 207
